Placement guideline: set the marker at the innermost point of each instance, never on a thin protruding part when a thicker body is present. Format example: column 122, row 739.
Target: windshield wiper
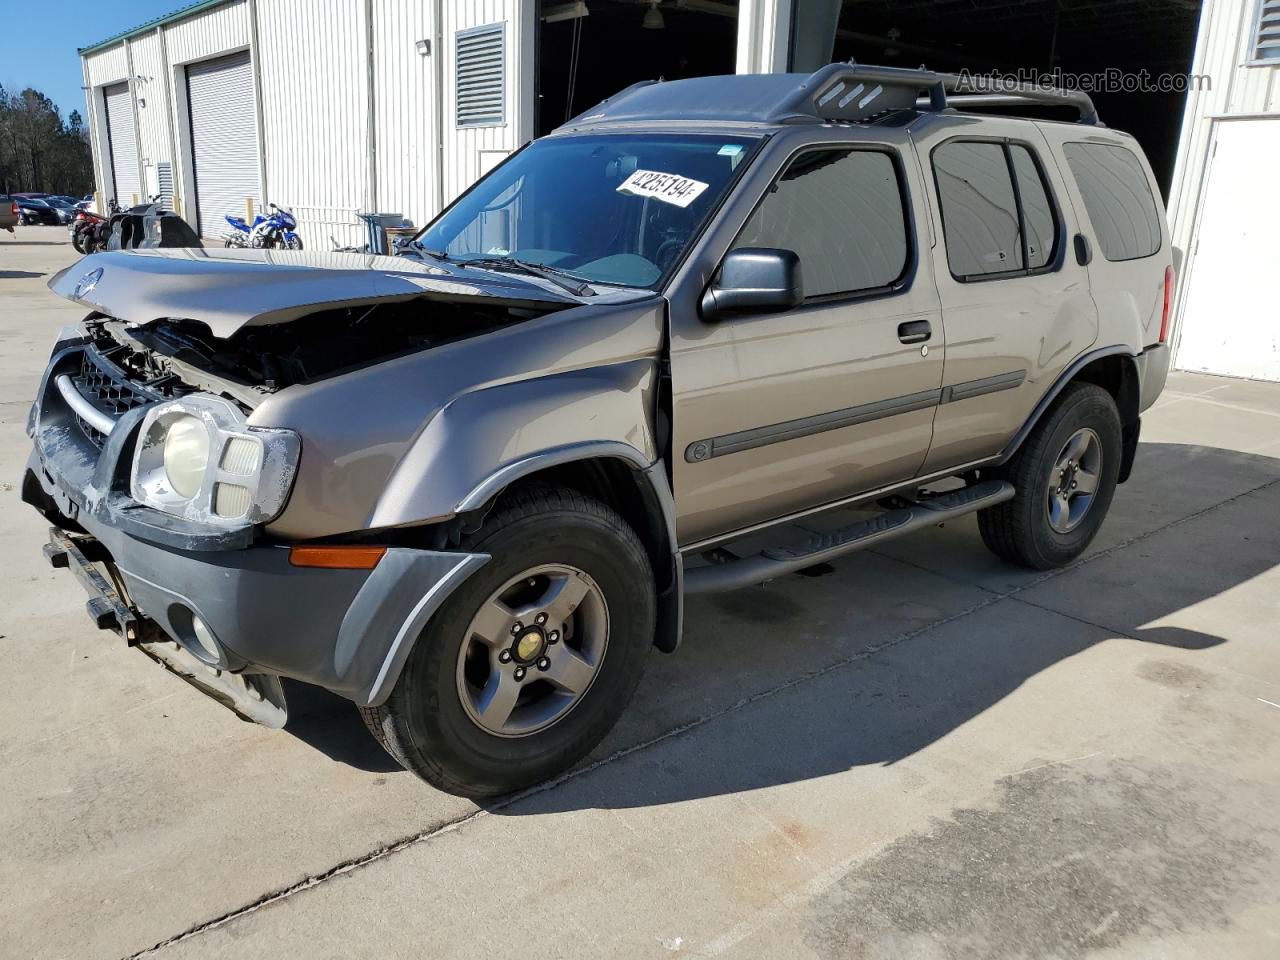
column 417, row 247
column 561, row 278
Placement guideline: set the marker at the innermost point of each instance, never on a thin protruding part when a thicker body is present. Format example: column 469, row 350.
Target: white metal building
column 1224, row 204
column 331, row 107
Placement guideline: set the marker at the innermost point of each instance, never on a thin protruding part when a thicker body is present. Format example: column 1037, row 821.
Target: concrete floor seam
column 864, row 654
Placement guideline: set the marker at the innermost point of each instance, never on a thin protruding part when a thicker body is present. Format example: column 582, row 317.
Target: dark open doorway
column 582, row 59
column 1075, row 36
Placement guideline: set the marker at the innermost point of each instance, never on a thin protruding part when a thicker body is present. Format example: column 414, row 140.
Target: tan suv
column 468, row 485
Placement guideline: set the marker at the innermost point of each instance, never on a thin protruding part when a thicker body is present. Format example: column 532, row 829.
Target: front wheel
column 530, row 663
column 292, row 241
column 1065, row 475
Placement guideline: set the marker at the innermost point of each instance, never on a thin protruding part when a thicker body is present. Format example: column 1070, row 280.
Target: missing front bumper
column 257, row 697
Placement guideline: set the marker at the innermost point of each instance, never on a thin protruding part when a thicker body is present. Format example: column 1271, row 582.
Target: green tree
column 38, row 151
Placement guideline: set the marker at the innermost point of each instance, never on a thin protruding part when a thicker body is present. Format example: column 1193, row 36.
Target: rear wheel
column 532, row 660
column 1065, row 475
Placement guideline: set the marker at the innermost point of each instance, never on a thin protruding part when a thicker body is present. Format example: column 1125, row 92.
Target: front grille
column 108, row 388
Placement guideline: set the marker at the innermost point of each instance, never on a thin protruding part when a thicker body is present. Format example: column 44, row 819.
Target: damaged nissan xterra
column 468, row 485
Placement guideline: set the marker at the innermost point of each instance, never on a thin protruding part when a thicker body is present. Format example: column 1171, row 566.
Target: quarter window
column 997, row 215
column 1118, row 197
column 842, row 212
column 1037, row 208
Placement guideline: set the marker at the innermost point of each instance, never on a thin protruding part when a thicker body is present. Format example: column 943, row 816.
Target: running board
column 779, row 561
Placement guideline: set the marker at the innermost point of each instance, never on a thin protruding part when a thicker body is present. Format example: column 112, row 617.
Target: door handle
column 915, row 331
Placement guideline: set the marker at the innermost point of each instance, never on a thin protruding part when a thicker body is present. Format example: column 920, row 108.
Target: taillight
column 1169, row 276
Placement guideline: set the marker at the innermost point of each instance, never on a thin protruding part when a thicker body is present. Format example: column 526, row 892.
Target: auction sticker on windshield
column 667, row 187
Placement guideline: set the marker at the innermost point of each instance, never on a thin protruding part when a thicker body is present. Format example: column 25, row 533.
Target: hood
column 231, row 288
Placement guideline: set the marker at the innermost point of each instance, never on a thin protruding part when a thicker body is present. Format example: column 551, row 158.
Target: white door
column 122, row 144
column 224, row 139
column 1230, row 319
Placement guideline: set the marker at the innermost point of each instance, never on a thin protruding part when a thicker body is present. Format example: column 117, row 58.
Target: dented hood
column 231, row 288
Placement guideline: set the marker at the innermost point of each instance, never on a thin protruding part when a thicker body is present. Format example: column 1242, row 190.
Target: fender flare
column 1064, row 378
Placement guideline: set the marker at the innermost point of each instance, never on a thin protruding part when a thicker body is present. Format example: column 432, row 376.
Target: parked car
column 467, row 487
column 34, row 210
column 65, row 211
column 10, row 216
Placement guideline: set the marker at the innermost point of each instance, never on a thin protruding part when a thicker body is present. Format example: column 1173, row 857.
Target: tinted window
column 1118, row 197
column 841, row 211
column 979, row 212
column 1037, row 209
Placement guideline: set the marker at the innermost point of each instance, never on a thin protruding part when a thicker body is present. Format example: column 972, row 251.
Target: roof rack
column 838, row 92
column 854, row 93
column 1020, row 95
column 850, row 92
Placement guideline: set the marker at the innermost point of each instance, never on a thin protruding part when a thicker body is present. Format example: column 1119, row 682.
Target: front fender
column 483, row 440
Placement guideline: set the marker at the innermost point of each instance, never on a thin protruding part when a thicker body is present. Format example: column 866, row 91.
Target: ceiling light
column 566, row 11
column 653, row 19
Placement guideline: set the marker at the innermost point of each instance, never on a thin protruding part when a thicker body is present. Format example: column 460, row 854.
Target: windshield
column 608, row 209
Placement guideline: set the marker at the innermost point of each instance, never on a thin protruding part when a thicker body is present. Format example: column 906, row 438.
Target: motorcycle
column 89, row 230
column 276, row 230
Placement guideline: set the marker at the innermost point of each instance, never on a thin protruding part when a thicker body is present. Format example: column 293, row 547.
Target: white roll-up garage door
column 224, row 139
column 122, row 143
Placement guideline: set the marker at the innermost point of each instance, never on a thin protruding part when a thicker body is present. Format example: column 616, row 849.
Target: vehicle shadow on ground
column 872, row 707
column 19, row 275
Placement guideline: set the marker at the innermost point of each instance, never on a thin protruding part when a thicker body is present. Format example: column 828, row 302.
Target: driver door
column 780, row 412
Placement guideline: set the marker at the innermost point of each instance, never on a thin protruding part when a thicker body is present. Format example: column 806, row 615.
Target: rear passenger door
column 1016, row 304
column 778, row 412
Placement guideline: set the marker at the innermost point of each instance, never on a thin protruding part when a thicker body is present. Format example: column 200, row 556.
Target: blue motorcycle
column 273, row 231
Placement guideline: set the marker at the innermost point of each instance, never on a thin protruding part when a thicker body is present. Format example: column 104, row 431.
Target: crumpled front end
column 231, row 601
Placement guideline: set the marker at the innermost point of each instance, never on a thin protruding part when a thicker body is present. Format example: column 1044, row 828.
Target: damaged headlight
column 198, row 459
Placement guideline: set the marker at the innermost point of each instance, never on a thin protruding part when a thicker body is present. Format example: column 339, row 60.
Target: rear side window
column 979, row 210
column 1118, row 197
column 998, row 218
column 842, row 212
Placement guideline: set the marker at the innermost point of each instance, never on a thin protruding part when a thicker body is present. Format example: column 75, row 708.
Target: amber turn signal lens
column 337, row 558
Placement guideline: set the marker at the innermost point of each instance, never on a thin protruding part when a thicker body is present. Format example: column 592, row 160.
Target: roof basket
column 1020, row 95
column 838, row 92
column 854, row 93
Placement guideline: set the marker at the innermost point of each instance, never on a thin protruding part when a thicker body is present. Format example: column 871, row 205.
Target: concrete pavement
column 924, row 753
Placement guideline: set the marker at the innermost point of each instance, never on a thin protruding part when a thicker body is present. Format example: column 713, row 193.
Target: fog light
column 204, row 637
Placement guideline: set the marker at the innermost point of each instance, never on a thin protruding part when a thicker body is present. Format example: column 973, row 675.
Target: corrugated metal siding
column 124, row 150
column 153, row 125
column 315, row 113
column 1223, row 48
column 405, row 105
column 463, row 146
column 107, row 66
column 224, row 139
column 209, row 33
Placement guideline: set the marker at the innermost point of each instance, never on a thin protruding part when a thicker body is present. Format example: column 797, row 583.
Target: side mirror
column 754, row 280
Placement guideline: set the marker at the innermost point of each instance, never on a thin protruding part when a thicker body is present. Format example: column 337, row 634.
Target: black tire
column 424, row 724
column 77, row 241
column 1019, row 530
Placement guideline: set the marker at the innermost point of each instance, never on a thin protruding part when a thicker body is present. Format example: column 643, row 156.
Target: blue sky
column 40, row 41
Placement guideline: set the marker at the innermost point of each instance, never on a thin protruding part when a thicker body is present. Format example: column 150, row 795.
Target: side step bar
column 778, row 562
